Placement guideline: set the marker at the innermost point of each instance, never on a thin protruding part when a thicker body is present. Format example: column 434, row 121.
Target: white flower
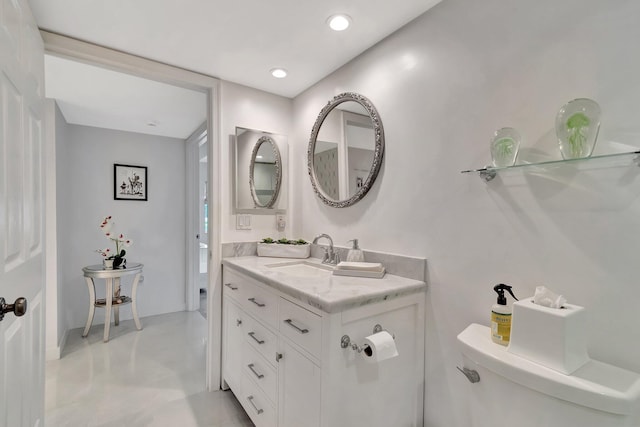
column 104, row 252
column 106, row 226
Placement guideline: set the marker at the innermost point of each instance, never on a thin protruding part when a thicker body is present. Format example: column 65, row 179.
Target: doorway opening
column 198, row 253
column 64, row 47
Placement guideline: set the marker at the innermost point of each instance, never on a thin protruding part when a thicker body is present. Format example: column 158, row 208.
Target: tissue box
column 553, row 337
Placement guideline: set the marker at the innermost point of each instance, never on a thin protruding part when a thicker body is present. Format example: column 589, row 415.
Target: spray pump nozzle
column 500, row 288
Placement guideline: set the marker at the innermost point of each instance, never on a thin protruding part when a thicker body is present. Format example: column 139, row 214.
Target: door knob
column 19, row 308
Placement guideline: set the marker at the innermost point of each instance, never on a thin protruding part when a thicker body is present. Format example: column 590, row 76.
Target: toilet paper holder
column 345, row 341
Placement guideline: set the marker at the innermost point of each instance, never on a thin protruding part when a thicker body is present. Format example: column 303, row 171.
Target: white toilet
column 515, row 392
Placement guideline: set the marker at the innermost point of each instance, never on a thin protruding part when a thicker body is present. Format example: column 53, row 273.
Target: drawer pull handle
column 259, row 304
column 258, row 410
column 297, row 328
column 251, row 366
column 230, row 286
column 253, row 335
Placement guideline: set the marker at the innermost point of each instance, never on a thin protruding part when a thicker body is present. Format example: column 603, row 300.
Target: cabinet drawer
column 261, row 303
column 261, row 372
column 301, row 326
column 253, row 298
column 260, row 338
column 256, row 404
column 233, row 285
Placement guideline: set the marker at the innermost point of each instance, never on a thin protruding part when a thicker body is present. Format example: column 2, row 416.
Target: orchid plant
column 106, row 226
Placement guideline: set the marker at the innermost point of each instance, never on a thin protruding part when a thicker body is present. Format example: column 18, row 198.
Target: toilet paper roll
column 379, row 346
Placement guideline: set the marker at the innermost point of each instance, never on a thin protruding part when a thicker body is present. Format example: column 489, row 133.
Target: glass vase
column 577, row 127
column 504, row 147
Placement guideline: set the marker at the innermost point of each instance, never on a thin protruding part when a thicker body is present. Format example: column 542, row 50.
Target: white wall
column 66, row 312
column 252, row 109
column 85, row 196
column 442, row 85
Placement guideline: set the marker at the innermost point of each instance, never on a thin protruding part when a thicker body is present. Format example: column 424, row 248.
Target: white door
column 197, row 219
column 21, row 216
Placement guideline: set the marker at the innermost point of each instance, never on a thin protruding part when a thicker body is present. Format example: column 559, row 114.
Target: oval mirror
column 345, row 150
column 265, row 172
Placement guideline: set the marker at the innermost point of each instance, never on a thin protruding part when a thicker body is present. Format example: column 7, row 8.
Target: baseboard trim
column 55, row 352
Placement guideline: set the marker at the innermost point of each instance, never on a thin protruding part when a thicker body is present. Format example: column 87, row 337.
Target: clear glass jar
column 577, row 127
column 504, row 147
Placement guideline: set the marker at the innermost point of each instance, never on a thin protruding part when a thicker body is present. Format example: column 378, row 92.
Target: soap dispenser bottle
column 501, row 316
column 355, row 254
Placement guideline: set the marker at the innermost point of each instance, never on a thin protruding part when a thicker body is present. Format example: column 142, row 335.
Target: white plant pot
column 284, row 251
column 107, row 264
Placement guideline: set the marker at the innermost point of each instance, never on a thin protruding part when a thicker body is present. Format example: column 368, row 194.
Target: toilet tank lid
column 595, row 385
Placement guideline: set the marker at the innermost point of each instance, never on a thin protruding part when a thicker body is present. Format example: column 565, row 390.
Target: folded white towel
column 360, row 266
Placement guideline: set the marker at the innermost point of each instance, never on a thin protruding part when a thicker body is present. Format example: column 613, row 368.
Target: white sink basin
column 302, row 268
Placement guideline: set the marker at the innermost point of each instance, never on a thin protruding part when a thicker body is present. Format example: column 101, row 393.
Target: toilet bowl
column 514, row 391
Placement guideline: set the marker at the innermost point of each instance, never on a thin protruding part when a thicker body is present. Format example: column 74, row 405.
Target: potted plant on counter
column 284, row 248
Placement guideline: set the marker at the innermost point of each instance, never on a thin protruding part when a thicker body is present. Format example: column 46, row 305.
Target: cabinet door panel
column 233, row 341
column 299, row 390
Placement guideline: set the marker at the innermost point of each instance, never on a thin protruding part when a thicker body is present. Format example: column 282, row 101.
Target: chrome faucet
column 330, row 256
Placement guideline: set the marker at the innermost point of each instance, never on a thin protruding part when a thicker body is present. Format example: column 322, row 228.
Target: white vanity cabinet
column 299, row 367
column 283, row 359
column 249, row 347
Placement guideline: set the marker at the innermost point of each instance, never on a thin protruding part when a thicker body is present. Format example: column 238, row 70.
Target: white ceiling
column 94, row 96
column 237, row 41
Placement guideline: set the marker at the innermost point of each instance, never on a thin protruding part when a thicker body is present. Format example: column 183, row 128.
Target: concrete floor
column 203, row 303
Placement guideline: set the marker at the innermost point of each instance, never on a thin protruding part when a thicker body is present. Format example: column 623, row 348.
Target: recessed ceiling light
column 339, row 22
column 279, row 73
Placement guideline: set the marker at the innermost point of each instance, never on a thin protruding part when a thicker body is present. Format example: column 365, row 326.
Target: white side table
column 112, row 282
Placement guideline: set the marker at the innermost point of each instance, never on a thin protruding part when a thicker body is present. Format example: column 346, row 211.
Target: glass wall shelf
column 489, row 172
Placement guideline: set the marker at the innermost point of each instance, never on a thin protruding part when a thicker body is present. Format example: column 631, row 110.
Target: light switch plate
column 243, row 222
column 281, row 221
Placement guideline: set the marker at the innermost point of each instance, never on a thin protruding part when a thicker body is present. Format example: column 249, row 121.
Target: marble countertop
column 328, row 293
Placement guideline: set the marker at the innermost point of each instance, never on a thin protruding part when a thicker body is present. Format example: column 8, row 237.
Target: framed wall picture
column 129, row 182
